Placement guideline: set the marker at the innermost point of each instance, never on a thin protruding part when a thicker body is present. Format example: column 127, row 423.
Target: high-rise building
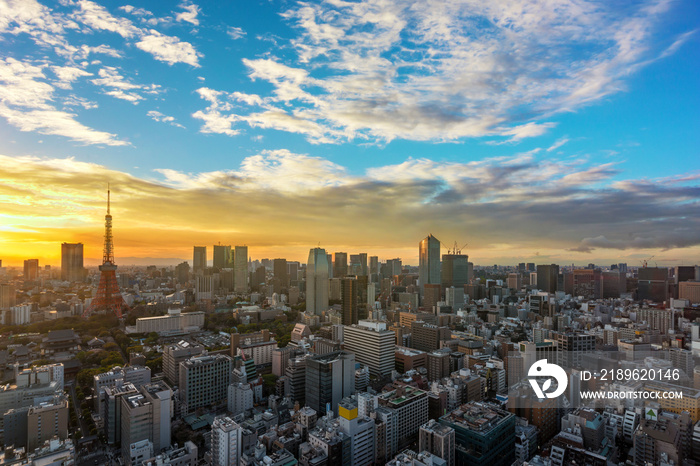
column 280, row 275
column 455, row 270
column 45, row 421
column 547, row 276
column 485, row 434
column 429, row 262
column 408, row 410
column 225, row 442
column 372, row 344
column 182, row 272
column 7, row 296
column 361, row 431
column 652, row 284
column 160, row 396
column 350, row 300
column 72, row 262
column 240, row 269
column 31, row 269
column 317, row 282
column 176, row 353
column 427, row 337
column 439, row 440
column 340, row 265
column 329, row 378
column 199, row 259
column 223, row 257
column 204, row 381
column 374, row 269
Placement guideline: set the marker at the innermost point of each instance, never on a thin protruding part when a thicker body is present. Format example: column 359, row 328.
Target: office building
column 455, row 270
column 429, row 262
column 317, row 282
column 280, row 279
column 652, row 284
column 407, row 410
column 484, row 434
column 199, row 259
column 372, row 344
column 226, row 439
column 340, row 265
column 656, row 442
column 111, row 409
column 31, row 269
column 46, row 420
column 296, row 378
column 7, row 296
column 223, row 257
column 176, row 353
column 439, row 440
column 240, row 398
column 547, row 277
column 174, row 322
column 360, row 430
column 329, row 378
column 72, row 269
column 350, row 300
column 427, row 337
column 204, row 381
column 240, row 269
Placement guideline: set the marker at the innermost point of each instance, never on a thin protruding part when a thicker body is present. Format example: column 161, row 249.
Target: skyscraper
column 222, row 256
column 317, row 282
column 547, row 276
column 429, row 262
column 455, row 270
column 31, row 269
column 72, row 262
column 240, row 269
column 199, row 259
column 281, row 275
column 350, row 300
column 340, row 266
column 329, row 378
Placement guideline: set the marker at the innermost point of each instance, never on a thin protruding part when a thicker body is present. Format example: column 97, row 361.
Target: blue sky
column 561, row 130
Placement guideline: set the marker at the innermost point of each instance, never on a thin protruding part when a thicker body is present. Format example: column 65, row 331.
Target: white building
column 240, row 398
column 372, row 344
column 225, row 442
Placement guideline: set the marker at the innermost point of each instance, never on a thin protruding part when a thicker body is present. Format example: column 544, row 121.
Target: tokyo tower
column 108, row 297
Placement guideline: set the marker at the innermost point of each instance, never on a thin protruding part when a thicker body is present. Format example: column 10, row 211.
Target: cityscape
column 362, row 233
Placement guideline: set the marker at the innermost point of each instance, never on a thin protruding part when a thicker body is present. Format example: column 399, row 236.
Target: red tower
column 108, row 297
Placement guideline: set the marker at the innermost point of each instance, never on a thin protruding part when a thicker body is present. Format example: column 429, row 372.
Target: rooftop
column 477, row 417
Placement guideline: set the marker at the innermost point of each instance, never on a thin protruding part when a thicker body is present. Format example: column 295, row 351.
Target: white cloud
column 557, row 144
column 158, row 116
column 446, row 70
column 189, row 15
column 122, row 88
column 169, row 49
column 68, row 74
column 235, row 32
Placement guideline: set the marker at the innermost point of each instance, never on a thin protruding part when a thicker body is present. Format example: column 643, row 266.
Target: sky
column 546, row 131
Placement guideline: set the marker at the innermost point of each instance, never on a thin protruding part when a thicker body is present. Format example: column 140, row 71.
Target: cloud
column 26, row 102
column 157, row 116
column 189, row 15
column 169, row 49
column 557, row 144
column 63, row 199
column 235, row 33
column 122, row 88
column 447, row 70
column 68, row 74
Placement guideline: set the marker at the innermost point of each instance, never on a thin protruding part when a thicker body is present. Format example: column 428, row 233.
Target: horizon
column 565, row 135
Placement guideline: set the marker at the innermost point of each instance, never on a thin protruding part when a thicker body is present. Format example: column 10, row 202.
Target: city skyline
column 356, row 127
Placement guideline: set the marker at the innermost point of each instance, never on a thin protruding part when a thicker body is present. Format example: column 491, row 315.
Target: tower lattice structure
column 108, row 297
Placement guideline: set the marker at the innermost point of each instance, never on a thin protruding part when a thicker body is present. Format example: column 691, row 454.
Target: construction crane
column 644, row 262
column 455, row 248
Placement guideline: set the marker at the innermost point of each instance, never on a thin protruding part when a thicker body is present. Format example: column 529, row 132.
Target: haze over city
column 356, row 126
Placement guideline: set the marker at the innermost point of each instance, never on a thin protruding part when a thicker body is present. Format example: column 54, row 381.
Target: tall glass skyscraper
column 240, row 269
column 317, row 282
column 429, row 262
